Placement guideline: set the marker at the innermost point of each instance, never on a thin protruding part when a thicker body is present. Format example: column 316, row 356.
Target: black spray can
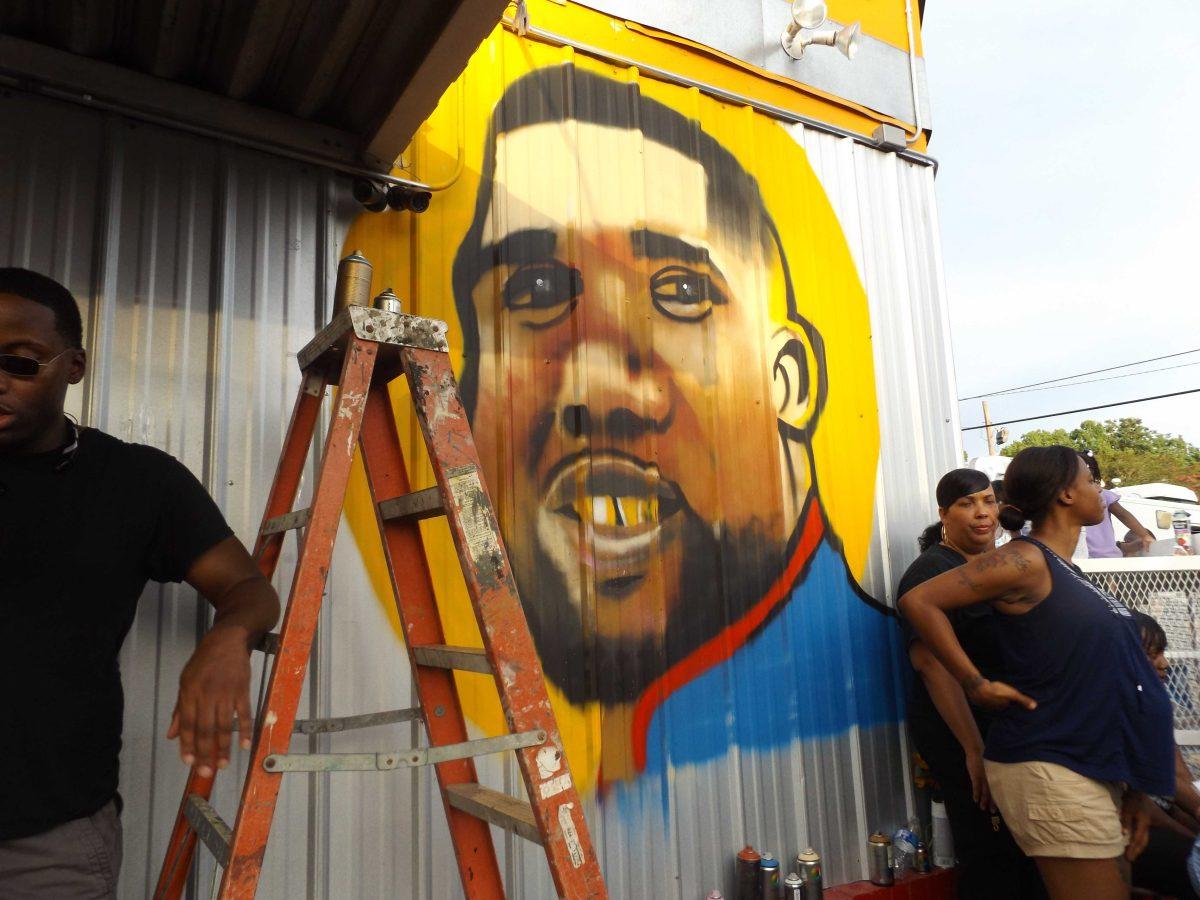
column 879, row 859
column 746, row 874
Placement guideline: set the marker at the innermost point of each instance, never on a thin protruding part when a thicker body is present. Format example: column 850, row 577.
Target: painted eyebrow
column 519, row 248
column 649, row 244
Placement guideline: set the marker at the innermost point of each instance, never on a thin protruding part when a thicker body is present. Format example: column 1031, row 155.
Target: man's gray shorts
column 79, row 860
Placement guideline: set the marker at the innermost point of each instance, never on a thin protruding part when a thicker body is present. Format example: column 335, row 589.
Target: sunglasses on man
column 24, row 366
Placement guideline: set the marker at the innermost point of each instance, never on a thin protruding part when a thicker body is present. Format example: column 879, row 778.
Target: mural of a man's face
column 623, row 392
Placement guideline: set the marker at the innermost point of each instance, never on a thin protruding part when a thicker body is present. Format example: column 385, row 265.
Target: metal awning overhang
column 342, row 84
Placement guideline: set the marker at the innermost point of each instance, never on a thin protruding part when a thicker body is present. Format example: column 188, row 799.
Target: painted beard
column 720, row 579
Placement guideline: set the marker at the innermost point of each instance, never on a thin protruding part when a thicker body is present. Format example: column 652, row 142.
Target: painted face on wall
column 622, row 394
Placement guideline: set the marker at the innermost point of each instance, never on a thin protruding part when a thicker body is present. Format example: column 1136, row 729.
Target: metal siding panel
column 200, row 270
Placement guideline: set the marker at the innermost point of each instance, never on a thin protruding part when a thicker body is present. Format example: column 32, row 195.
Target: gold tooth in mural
column 614, row 511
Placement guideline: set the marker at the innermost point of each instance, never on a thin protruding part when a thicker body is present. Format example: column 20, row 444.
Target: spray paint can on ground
column 808, row 867
column 793, row 887
column 768, row 877
column 745, row 872
column 922, row 863
column 879, row 858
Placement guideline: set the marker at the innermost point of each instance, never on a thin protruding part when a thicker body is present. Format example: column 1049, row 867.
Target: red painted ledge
column 937, row 885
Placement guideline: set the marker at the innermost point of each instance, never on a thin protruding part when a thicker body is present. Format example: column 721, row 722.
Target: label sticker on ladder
column 552, row 786
column 479, row 528
column 570, row 835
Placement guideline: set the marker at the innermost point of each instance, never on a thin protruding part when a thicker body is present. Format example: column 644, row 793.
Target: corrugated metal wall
column 201, row 270
column 204, row 268
column 888, row 214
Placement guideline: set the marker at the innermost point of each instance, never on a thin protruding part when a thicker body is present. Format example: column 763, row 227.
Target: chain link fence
column 1167, row 588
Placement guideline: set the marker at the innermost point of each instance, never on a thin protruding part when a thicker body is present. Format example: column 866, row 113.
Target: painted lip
column 615, row 507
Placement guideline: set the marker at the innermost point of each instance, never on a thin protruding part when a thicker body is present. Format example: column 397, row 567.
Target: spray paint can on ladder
column 745, row 872
column 353, row 287
column 879, row 859
column 768, row 877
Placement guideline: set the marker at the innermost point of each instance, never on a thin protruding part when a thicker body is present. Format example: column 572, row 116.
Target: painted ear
column 794, row 381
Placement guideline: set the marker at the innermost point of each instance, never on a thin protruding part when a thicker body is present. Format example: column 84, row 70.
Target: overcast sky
column 1069, row 197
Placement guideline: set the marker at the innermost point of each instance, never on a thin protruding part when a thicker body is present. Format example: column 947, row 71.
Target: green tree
column 1125, row 449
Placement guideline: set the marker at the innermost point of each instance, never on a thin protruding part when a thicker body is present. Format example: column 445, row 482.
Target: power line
column 1067, row 412
column 1080, row 374
column 1052, row 387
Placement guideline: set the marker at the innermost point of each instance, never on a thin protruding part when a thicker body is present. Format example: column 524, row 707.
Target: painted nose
column 621, row 397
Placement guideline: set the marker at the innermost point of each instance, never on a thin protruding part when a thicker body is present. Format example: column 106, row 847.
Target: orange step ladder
column 360, row 352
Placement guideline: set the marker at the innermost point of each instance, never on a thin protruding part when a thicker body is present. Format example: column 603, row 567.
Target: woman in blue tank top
column 1083, row 728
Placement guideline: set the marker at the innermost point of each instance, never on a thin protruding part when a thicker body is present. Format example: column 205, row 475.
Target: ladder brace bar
column 349, row 723
column 396, row 759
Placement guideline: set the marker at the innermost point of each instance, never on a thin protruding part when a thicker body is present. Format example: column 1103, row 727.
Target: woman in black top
column 947, row 732
column 1083, row 728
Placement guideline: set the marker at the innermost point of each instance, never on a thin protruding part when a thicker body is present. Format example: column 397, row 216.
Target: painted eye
column 544, row 292
column 684, row 294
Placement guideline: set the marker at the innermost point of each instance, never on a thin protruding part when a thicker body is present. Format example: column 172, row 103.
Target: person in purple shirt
column 1101, row 539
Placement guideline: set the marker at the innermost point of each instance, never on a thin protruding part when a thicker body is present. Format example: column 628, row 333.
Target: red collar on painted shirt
column 723, row 645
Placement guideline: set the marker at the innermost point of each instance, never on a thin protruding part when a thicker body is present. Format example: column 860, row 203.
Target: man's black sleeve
column 188, row 523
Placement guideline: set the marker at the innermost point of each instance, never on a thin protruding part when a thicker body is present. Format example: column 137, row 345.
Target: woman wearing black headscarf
column 947, row 731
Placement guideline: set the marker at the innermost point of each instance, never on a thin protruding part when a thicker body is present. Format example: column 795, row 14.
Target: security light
column 809, row 13
column 795, row 39
column 847, row 40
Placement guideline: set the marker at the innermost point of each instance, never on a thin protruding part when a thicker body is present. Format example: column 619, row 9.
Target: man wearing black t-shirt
column 85, row 521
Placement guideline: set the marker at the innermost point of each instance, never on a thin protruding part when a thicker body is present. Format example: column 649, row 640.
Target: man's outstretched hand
column 214, row 685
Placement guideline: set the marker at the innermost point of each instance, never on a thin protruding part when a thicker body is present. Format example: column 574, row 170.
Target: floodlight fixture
column 848, row 39
column 809, row 13
column 797, row 38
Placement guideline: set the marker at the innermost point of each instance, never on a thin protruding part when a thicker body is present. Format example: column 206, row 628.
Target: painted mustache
column 612, row 490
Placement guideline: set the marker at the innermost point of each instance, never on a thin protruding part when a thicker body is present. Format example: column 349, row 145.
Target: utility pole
column 987, row 422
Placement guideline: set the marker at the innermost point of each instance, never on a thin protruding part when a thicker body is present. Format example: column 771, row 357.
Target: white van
column 1154, row 504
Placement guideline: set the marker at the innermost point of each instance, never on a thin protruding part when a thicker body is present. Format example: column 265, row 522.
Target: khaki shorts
column 1052, row 811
